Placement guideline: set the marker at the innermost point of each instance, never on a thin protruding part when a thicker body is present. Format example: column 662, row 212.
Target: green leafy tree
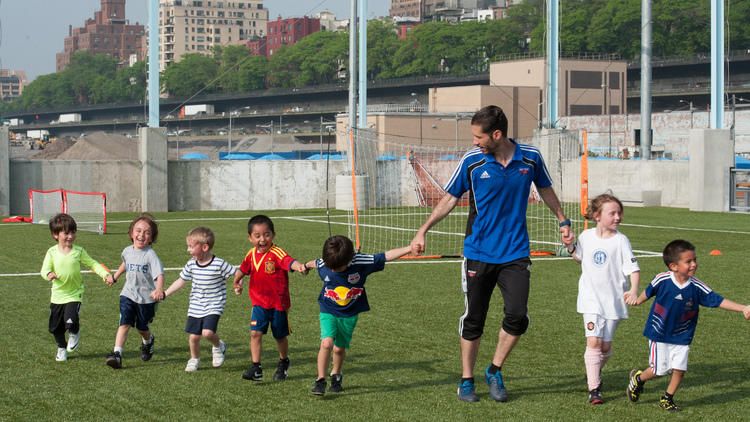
column 382, row 42
column 195, row 72
column 240, row 71
column 313, row 60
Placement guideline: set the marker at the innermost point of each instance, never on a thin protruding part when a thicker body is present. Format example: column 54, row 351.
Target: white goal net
column 398, row 184
column 89, row 209
column 45, row 204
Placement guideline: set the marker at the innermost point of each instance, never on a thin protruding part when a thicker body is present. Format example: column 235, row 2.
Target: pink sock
column 592, row 358
column 605, row 357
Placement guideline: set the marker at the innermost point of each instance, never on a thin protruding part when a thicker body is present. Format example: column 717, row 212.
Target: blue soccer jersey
column 343, row 293
column 674, row 313
column 498, row 196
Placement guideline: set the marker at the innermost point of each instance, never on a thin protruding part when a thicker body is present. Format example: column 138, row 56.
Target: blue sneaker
column 497, row 389
column 466, row 392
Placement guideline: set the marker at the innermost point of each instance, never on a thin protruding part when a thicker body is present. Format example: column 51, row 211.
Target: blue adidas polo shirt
column 498, row 197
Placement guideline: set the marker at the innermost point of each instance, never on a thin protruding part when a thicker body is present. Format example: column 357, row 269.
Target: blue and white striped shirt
column 209, row 293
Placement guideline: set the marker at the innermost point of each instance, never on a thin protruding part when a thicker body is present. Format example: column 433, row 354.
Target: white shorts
column 596, row 326
column 664, row 357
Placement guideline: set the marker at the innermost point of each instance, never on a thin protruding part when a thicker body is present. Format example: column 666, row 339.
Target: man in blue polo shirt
column 497, row 174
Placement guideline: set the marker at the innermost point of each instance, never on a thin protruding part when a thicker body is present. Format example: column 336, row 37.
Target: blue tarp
column 325, row 156
column 741, row 162
column 386, row 158
column 271, row 157
column 194, row 156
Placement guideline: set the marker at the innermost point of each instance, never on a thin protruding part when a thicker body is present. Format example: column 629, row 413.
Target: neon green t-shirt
column 68, row 287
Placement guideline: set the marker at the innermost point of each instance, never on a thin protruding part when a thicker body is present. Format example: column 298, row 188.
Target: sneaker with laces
column 668, row 404
column 254, row 373
column 74, row 340
column 282, row 369
column 147, row 349
column 319, row 388
column 219, row 353
column 192, row 365
column 595, row 397
column 466, row 392
column 336, row 385
column 497, row 389
column 635, row 387
column 62, row 354
column 114, row 360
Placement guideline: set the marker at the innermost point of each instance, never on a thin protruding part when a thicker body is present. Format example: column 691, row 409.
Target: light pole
column 269, row 125
column 419, row 107
column 690, row 104
column 457, row 117
column 608, row 107
column 321, row 133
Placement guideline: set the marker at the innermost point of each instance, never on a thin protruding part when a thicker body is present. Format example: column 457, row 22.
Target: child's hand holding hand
column 631, row 298
column 52, row 276
column 238, row 287
column 109, row 279
column 158, row 294
column 300, row 267
column 746, row 312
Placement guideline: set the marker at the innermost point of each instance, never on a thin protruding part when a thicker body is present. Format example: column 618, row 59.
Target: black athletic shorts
column 60, row 313
column 478, row 282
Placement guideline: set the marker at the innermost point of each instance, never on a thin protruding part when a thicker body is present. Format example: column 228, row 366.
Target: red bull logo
column 342, row 295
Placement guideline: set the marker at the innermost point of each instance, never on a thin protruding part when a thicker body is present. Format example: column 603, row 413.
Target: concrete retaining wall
column 262, row 185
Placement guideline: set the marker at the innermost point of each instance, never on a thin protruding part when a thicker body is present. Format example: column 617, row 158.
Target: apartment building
column 12, row 83
column 446, row 10
column 195, row 26
column 107, row 33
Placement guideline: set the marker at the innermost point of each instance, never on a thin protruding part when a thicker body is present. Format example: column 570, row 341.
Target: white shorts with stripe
column 664, row 357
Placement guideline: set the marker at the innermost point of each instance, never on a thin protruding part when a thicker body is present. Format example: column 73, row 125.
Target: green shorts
column 339, row 328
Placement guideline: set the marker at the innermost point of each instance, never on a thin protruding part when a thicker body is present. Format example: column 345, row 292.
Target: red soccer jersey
column 269, row 278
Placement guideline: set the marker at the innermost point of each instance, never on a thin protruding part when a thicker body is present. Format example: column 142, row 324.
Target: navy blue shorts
column 197, row 325
column 138, row 315
column 260, row 318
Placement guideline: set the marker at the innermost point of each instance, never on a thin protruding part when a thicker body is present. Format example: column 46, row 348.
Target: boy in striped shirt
column 208, row 273
column 671, row 323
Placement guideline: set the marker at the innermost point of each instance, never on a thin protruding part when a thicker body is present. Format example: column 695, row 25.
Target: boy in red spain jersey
column 268, row 268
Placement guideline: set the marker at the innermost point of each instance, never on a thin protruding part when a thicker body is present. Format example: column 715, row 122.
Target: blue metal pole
column 153, row 63
column 717, row 64
column 362, row 63
column 553, row 52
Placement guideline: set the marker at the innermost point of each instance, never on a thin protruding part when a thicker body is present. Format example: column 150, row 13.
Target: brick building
column 107, row 33
column 289, row 31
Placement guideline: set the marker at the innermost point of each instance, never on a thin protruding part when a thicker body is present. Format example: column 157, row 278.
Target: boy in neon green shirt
column 62, row 266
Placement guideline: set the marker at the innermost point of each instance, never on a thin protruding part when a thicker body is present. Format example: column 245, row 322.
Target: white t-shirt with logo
column 605, row 266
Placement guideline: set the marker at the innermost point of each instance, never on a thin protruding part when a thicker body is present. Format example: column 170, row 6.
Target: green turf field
column 404, row 361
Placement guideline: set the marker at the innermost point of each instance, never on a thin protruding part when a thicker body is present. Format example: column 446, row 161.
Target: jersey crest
column 600, row 257
column 270, row 267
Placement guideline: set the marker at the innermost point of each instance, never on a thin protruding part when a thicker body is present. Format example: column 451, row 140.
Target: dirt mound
column 51, row 151
column 101, row 146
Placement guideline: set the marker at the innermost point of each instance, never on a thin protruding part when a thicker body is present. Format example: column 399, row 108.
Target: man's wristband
column 565, row 223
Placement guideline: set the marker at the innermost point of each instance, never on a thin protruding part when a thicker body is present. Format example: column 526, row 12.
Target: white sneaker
column 192, row 365
column 219, row 354
column 62, row 354
column 73, row 341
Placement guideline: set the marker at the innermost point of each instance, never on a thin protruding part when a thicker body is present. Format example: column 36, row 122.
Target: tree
column 240, row 71
column 311, row 61
column 195, row 72
column 382, row 42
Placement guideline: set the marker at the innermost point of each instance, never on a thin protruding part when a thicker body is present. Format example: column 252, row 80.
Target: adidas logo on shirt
column 327, row 279
column 485, row 175
column 678, row 297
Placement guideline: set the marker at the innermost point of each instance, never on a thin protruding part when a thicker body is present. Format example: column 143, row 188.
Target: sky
column 33, row 31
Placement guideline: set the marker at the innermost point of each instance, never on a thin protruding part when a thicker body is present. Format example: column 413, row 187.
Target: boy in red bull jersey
column 268, row 267
column 671, row 323
column 341, row 300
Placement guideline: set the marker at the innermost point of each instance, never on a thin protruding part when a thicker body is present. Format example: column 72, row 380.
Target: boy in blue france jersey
column 341, row 300
column 671, row 323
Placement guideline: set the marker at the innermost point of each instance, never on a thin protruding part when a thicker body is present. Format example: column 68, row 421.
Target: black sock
column 285, row 360
column 257, row 364
column 638, row 378
column 468, row 379
column 668, row 396
column 493, row 369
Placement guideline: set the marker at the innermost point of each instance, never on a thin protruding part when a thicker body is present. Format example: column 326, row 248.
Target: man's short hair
column 202, row 235
column 338, row 251
column 260, row 219
column 62, row 223
column 674, row 249
column 490, row 119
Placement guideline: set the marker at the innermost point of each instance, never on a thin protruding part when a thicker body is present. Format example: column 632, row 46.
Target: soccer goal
column 399, row 184
column 89, row 209
column 45, row 204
